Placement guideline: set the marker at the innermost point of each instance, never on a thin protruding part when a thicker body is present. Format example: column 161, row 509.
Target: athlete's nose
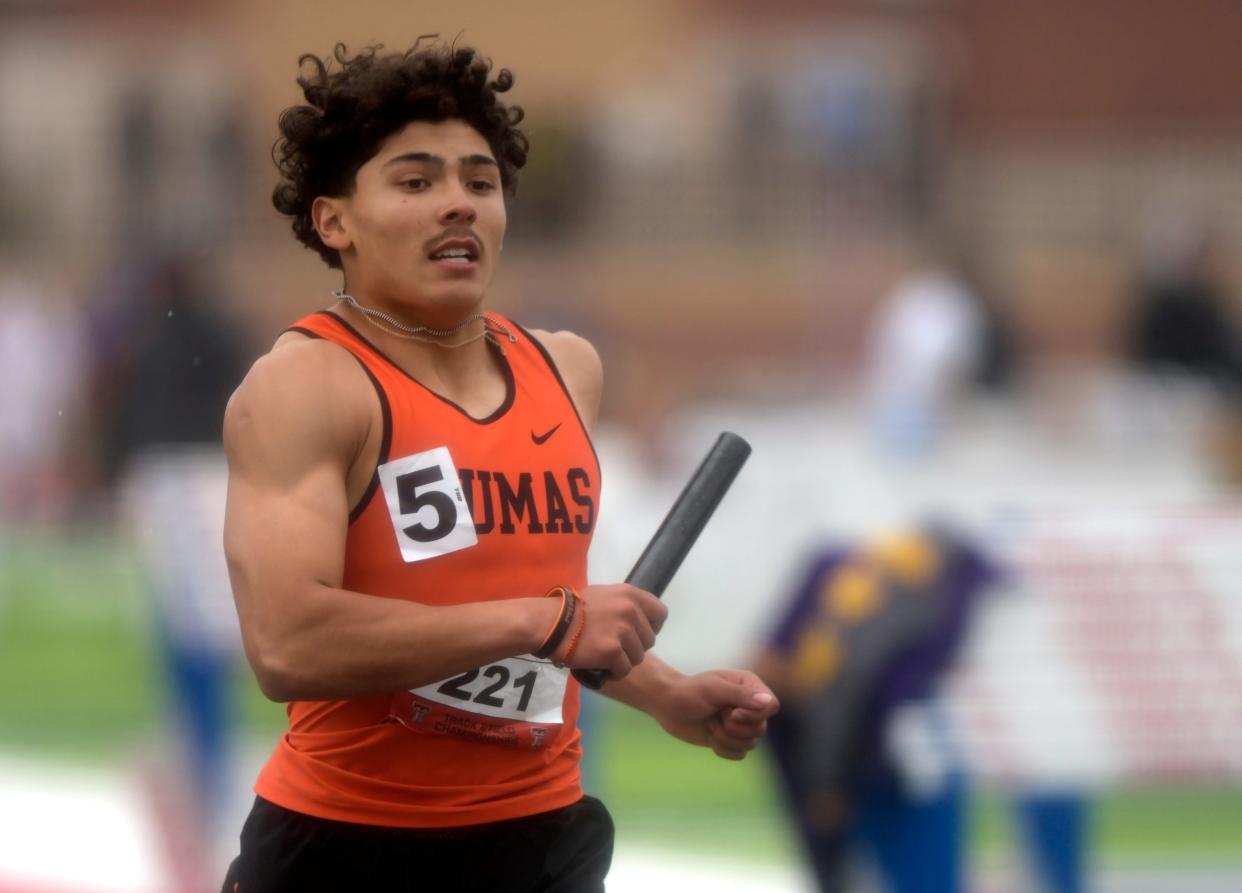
column 459, row 208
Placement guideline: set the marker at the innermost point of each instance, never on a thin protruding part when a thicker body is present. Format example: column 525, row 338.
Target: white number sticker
column 429, row 513
column 522, row 688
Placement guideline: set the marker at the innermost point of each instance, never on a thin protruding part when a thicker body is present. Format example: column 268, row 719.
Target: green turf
column 80, row 676
column 76, row 666
column 664, row 792
column 79, row 680
column 1191, row 822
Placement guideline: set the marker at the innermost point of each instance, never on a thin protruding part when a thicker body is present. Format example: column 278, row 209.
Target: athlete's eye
column 416, row 183
column 482, row 186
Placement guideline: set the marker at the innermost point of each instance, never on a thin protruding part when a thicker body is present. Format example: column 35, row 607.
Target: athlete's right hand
column 620, row 627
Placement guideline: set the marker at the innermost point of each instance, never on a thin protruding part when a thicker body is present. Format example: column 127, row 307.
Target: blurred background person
column 868, row 630
column 40, row 366
column 177, row 359
column 933, row 341
column 1183, row 325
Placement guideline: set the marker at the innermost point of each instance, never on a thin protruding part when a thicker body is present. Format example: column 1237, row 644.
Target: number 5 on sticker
column 430, row 516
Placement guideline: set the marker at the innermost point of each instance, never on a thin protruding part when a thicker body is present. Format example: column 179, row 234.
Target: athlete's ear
column 328, row 216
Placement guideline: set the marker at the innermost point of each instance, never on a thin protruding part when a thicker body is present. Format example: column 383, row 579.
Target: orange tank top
column 459, row 510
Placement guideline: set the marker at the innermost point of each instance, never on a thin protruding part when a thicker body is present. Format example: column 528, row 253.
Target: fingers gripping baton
column 682, row 526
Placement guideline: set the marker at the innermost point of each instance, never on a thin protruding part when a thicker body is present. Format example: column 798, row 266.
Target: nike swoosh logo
column 539, row 439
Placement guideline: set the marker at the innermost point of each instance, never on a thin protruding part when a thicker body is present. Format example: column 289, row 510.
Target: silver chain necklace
column 394, row 326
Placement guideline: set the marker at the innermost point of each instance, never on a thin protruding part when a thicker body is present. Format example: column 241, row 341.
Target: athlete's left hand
column 726, row 710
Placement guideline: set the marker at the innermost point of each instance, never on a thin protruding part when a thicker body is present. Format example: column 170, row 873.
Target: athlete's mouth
column 460, row 251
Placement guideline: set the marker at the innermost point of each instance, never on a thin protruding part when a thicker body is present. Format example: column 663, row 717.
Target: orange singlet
column 460, row 510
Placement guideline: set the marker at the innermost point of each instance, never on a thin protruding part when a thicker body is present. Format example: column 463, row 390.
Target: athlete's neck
column 410, row 315
column 449, row 338
column 457, row 365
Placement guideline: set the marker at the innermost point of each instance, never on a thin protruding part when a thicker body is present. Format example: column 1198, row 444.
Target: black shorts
column 567, row 850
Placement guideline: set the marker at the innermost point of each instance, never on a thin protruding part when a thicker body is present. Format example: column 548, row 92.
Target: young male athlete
column 411, row 497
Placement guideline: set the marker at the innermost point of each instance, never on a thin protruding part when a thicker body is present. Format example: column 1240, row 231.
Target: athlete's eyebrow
column 438, row 161
column 479, row 160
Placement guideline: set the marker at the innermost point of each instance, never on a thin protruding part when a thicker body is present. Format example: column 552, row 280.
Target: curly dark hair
column 350, row 111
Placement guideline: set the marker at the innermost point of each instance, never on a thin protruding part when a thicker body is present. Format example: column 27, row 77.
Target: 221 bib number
column 516, row 701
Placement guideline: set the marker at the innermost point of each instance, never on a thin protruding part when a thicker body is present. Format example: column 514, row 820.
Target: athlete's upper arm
column 580, row 368
column 291, row 431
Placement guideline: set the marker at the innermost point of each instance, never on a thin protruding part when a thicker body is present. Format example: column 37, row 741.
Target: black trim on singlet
column 385, row 444
column 385, row 414
column 505, row 370
column 547, row 357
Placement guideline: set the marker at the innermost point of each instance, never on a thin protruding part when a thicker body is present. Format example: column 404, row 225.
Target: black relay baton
column 682, row 526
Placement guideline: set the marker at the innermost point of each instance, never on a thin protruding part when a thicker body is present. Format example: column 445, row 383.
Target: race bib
column 515, row 702
column 430, row 516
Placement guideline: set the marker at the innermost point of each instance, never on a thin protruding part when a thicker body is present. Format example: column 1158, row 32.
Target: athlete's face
column 424, row 225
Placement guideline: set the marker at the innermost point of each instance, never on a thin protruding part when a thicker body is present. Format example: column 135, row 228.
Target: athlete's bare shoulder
column 305, row 401
column 579, row 364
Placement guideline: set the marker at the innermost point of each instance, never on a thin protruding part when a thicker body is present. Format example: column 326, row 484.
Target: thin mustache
column 454, row 232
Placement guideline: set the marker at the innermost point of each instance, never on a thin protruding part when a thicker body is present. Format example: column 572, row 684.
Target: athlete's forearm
column 646, row 687
column 338, row 644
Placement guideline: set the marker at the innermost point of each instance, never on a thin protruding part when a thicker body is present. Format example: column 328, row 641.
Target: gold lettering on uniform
column 911, row 559
column 817, row 658
column 853, row 593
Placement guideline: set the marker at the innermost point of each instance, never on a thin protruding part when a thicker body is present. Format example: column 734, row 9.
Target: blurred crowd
column 148, row 359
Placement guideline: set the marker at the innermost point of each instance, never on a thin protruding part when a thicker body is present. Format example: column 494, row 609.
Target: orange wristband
column 569, row 606
column 573, row 643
